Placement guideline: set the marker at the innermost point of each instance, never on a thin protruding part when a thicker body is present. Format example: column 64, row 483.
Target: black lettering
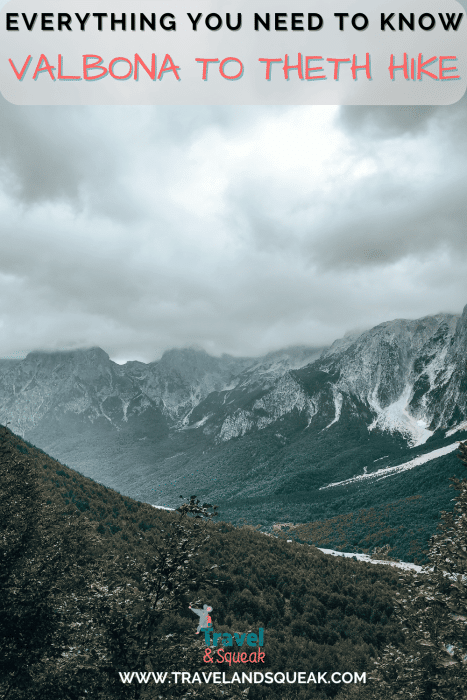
column 46, row 22
column 121, row 21
column 218, row 20
column 341, row 16
column 239, row 22
column 280, row 20
column 451, row 18
column 311, row 16
column 431, row 19
column 387, row 21
column 11, row 23
column 297, row 23
column 64, row 20
column 196, row 20
column 170, row 27
column 29, row 25
column 409, row 22
column 99, row 16
column 83, row 21
column 265, row 22
column 150, row 22
column 354, row 22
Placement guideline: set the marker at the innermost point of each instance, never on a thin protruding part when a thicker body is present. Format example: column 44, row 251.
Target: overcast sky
column 237, row 229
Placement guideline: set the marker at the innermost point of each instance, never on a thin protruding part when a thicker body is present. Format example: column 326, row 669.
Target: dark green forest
column 94, row 583
column 361, row 516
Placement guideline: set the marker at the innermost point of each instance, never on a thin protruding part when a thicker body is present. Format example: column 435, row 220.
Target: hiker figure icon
column 205, row 623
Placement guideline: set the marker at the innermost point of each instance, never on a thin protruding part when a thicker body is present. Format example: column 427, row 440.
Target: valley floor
column 364, row 557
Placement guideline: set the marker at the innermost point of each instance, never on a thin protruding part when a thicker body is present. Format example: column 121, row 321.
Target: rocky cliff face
column 446, row 398
column 402, row 376
column 399, row 370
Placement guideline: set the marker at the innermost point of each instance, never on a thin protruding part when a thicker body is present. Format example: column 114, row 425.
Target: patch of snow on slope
column 457, row 428
column 198, row 424
column 439, row 372
column 396, row 418
column 337, row 407
column 125, row 404
column 389, row 471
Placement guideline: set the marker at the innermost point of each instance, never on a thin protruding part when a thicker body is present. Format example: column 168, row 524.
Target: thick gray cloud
column 239, row 229
column 42, row 152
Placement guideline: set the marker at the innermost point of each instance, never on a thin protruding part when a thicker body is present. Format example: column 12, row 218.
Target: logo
column 225, row 639
column 205, row 622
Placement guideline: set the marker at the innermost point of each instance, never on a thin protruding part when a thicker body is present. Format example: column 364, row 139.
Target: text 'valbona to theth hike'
column 155, row 53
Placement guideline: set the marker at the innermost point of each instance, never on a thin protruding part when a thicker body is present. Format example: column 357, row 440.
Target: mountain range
column 301, row 434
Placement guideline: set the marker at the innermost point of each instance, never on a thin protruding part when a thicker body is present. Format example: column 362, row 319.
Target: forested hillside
column 94, row 583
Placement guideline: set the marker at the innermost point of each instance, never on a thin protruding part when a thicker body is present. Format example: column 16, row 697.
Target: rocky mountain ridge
column 240, row 429
column 405, row 377
column 86, row 386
